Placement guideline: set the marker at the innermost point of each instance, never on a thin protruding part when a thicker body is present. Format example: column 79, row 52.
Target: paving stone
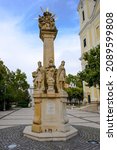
column 14, row 135
column 87, row 124
column 71, row 120
column 94, row 119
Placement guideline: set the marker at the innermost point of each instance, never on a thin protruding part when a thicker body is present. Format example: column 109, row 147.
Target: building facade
column 89, row 12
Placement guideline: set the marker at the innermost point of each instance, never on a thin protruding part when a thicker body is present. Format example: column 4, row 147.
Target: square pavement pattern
column 12, row 124
column 25, row 116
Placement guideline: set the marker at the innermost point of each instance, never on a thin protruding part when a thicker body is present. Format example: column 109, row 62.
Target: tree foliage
column 91, row 73
column 74, row 79
column 13, row 87
column 75, row 89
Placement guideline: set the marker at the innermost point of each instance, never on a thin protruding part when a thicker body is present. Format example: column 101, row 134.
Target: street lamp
column 4, row 104
column 4, row 108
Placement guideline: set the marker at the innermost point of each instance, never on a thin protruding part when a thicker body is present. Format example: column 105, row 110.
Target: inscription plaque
column 50, row 108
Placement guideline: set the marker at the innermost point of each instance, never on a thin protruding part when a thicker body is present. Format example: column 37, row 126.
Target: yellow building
column 89, row 12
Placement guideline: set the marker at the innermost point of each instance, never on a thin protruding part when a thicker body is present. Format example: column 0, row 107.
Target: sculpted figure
column 61, row 75
column 51, row 75
column 47, row 21
column 50, row 70
column 39, row 77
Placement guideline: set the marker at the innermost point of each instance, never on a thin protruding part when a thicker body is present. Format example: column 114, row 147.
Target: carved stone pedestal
column 54, row 116
column 50, row 120
column 50, row 113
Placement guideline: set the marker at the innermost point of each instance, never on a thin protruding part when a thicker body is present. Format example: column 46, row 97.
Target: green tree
column 75, row 89
column 74, row 79
column 91, row 73
column 4, row 73
column 19, row 88
column 13, row 88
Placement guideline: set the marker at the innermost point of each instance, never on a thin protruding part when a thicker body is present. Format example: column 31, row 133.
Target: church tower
column 89, row 12
column 85, row 9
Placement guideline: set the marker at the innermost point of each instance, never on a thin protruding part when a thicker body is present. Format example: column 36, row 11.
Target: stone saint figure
column 51, row 75
column 38, row 76
column 61, row 76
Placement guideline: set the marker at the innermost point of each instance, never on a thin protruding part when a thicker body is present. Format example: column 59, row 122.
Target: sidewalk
column 83, row 118
column 16, row 117
column 24, row 116
column 7, row 112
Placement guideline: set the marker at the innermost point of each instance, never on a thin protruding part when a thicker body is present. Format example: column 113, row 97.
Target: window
column 84, row 42
column 83, row 15
column 98, row 32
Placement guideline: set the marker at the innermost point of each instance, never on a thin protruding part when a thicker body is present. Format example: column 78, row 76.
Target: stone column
column 48, row 46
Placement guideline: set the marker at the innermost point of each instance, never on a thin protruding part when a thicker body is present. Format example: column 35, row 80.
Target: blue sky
column 20, row 46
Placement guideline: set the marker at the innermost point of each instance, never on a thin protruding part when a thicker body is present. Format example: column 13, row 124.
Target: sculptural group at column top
column 47, row 21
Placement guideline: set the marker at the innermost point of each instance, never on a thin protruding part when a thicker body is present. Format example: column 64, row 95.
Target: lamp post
column 4, row 105
column 4, row 108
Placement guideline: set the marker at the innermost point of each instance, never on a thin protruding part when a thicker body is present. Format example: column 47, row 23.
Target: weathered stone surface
column 49, row 95
column 50, row 136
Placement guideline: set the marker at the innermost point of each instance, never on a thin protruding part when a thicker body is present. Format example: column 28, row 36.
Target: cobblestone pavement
column 12, row 139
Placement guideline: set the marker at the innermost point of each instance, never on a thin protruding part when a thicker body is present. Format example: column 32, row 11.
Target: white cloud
column 19, row 50
column 23, row 50
column 68, row 48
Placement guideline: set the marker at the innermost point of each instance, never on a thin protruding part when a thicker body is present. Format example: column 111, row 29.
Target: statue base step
column 50, row 136
column 36, row 128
